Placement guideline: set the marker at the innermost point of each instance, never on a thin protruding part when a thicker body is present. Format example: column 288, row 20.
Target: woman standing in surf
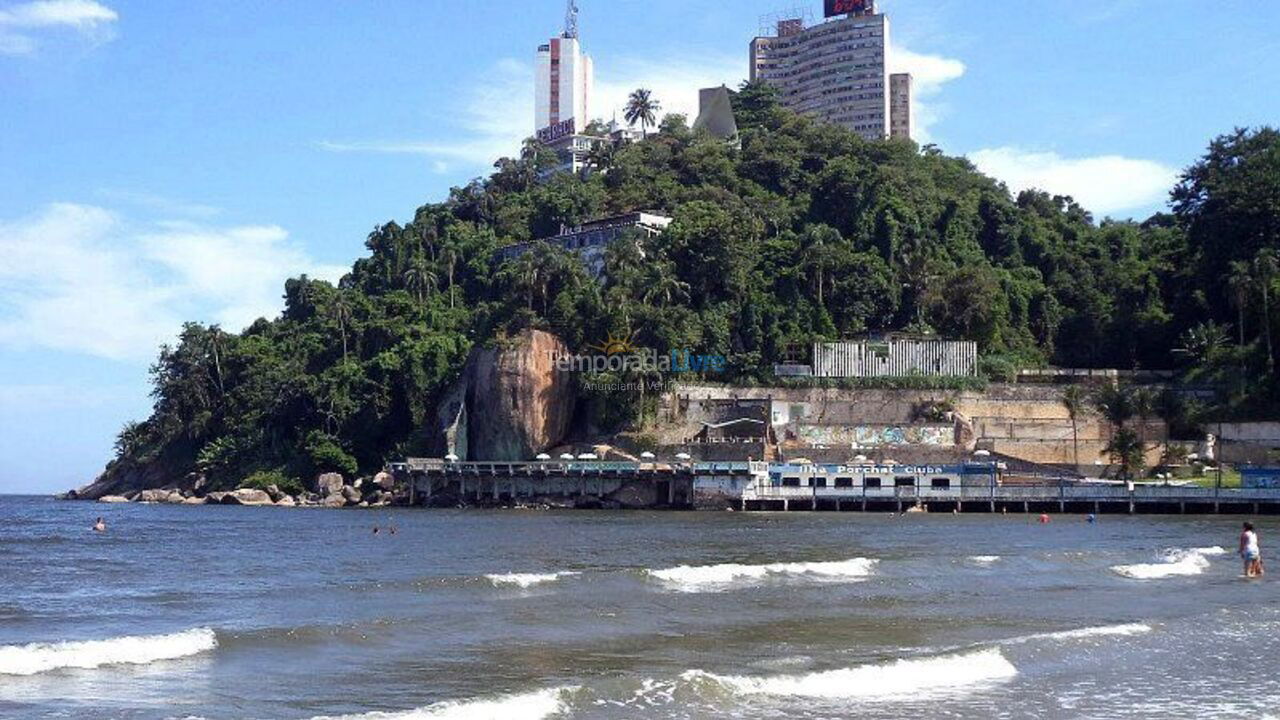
column 1250, row 552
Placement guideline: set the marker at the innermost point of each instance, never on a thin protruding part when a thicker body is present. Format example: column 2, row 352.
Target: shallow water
column 232, row 612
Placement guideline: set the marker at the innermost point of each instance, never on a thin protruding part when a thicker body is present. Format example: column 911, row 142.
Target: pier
column 580, row 483
column 1062, row 497
column 976, row 487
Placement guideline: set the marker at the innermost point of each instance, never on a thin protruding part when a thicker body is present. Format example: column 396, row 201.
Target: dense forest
column 802, row 231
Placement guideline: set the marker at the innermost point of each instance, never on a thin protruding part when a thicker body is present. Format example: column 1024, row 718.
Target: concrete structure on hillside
column 837, row 71
column 590, row 240
column 832, row 425
column 896, row 356
column 573, row 145
column 715, row 113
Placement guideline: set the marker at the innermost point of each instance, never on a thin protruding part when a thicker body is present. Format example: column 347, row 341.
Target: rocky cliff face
column 510, row 402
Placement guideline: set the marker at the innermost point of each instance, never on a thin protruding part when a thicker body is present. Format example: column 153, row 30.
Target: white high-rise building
column 563, row 79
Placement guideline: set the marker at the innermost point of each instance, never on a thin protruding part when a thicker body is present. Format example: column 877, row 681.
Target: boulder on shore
column 286, row 501
column 247, row 496
column 384, row 481
column 334, row 501
column 275, row 492
column 175, row 498
column 195, row 501
column 113, row 499
column 153, row 496
column 351, row 494
column 329, row 483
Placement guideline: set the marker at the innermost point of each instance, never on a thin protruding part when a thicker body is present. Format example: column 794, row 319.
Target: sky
column 163, row 162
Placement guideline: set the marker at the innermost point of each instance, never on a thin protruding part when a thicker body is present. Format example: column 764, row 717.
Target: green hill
column 805, row 232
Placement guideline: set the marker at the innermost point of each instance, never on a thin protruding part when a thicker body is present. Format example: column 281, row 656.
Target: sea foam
column 130, row 650
column 688, row 578
column 1177, row 562
column 1124, row 630
column 904, row 679
column 526, row 580
column 524, row 706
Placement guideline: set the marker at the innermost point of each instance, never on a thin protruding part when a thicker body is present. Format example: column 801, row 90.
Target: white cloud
column 1103, row 184
column 90, row 19
column 83, row 279
column 494, row 117
column 928, row 74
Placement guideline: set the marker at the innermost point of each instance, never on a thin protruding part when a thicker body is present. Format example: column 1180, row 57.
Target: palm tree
column 420, row 279
column 664, row 286
column 1076, row 401
column 1144, row 406
column 642, row 108
column 449, row 255
column 1240, row 285
column 1115, row 404
column 1266, row 265
column 820, row 245
column 1126, row 451
column 341, row 312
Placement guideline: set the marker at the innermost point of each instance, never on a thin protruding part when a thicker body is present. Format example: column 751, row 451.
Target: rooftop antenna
column 571, row 20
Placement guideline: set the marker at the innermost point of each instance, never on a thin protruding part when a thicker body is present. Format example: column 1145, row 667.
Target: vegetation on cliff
column 805, row 232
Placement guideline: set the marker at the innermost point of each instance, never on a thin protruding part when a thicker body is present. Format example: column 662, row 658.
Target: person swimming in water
column 100, row 525
column 1250, row 552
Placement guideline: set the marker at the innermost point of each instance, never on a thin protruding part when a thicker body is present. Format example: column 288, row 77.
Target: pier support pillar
column 1255, row 509
column 1097, row 508
column 899, row 507
column 1026, row 506
column 864, row 504
column 786, row 505
column 1062, row 506
column 837, row 505
column 1183, row 507
column 993, row 507
column 1132, row 509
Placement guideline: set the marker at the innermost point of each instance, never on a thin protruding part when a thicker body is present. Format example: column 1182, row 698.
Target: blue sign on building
column 1260, row 477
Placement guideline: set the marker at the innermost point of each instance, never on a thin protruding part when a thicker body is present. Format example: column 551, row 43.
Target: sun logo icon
column 616, row 345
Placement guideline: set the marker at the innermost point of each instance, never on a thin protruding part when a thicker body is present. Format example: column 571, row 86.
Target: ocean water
column 236, row 612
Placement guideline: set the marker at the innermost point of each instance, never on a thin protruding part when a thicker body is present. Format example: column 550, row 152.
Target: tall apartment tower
column 836, row 70
column 563, row 78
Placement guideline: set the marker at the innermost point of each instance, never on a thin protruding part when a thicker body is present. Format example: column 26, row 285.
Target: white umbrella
column 860, row 458
column 647, row 455
column 451, row 457
column 982, row 453
column 566, row 456
column 588, row 456
column 684, row 456
column 543, row 456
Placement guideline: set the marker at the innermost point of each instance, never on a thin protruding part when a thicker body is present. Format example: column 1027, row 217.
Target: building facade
column 564, row 80
column 590, row 240
column 896, row 357
column 837, row 71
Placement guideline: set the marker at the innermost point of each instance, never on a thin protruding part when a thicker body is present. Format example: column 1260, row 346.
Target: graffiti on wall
column 875, row 435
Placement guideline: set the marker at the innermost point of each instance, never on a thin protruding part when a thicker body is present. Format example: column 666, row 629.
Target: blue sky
column 171, row 161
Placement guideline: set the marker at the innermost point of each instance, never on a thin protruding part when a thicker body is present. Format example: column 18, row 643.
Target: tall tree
column 1266, row 265
column 642, row 108
column 1076, row 400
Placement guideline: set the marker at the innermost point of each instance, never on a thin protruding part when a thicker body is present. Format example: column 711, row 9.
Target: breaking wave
column 524, row 706
column 1085, row 633
column 1176, row 562
column 689, row 578
column 904, row 679
column 525, row 580
column 37, row 658
column 985, row 559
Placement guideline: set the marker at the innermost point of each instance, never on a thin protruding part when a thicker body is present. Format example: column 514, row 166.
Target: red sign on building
column 848, row 7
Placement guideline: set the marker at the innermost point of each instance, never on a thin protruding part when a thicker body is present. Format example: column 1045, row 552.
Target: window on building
column 871, row 482
column 940, row 483
column 904, row 482
column 817, row 482
column 790, row 482
column 844, row 482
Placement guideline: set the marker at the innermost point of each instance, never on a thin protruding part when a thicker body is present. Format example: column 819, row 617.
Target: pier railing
column 1021, row 493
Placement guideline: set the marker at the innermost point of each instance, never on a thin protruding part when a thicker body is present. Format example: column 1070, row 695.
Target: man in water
column 100, row 525
column 1250, row 552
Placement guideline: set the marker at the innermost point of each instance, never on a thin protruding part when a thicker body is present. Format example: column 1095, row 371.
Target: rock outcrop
column 526, row 404
column 329, row 484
